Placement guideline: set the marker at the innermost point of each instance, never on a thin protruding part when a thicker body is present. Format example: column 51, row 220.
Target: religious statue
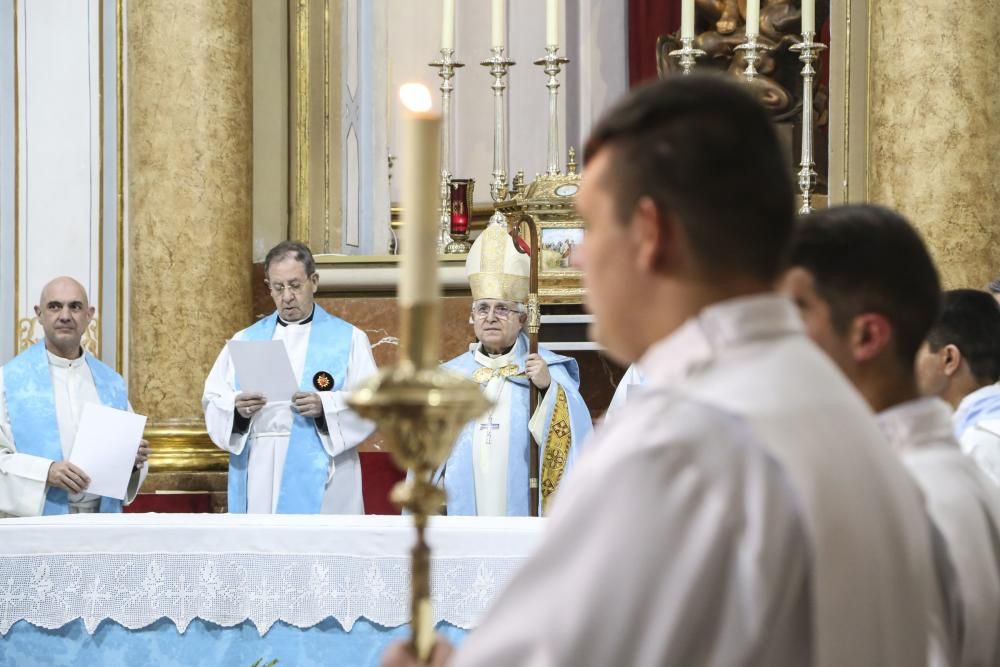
column 720, row 26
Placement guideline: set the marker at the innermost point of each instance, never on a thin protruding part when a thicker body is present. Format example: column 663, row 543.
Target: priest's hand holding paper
column 307, row 404
column 537, row 371
column 247, row 405
column 142, row 455
column 65, row 475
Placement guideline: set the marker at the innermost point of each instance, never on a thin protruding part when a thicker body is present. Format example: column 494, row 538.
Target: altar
column 231, row 589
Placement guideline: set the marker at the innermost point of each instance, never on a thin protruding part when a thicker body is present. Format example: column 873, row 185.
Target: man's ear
column 652, row 235
column 38, row 311
column 952, row 359
column 314, row 279
column 871, row 333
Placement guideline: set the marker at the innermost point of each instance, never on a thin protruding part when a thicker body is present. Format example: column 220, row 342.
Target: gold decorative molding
column 301, row 99
column 183, row 447
column 120, row 188
column 91, row 340
column 25, row 332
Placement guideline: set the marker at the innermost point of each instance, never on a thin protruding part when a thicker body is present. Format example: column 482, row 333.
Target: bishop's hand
column 247, row 405
column 307, row 404
column 537, row 371
column 65, row 475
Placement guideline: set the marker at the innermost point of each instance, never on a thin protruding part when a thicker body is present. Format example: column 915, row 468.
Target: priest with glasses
column 487, row 472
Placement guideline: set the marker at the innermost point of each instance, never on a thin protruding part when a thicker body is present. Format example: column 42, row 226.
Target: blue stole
column 303, row 480
column 459, row 479
column 31, row 407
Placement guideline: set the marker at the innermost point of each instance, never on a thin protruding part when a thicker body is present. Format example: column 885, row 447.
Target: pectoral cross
column 489, row 427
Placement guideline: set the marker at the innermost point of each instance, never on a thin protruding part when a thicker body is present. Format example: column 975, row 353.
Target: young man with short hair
column 868, row 293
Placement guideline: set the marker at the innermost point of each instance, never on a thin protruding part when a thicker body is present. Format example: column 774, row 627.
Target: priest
column 43, row 392
column 487, row 472
column 294, row 454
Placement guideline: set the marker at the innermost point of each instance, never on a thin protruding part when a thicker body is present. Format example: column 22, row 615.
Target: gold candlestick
column 420, row 409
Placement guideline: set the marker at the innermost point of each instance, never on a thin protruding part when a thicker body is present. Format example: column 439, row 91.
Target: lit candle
column 421, row 172
column 498, row 24
column 552, row 23
column 448, row 24
column 753, row 17
column 687, row 19
column 808, row 16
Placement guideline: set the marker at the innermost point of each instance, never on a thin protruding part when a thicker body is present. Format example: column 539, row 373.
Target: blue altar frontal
column 155, row 589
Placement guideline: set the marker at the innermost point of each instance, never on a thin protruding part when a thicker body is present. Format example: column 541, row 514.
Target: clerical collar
column 62, row 362
column 300, row 322
column 482, row 350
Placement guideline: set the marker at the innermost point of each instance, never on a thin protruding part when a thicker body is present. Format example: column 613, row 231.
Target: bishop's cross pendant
column 489, row 427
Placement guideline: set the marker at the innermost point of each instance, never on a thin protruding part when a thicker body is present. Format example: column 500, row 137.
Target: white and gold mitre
column 496, row 269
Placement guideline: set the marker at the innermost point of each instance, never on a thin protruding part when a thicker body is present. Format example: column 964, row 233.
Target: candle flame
column 415, row 97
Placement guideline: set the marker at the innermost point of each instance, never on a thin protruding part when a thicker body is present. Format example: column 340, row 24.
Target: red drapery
column 647, row 20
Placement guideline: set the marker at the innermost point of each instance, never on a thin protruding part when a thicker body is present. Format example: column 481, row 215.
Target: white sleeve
column 345, row 428
column 219, row 403
column 137, row 477
column 22, row 476
column 678, row 554
column 620, row 396
column 981, row 441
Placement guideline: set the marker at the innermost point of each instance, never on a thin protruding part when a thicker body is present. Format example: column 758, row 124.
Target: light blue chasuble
column 303, row 480
column 31, row 407
column 459, row 478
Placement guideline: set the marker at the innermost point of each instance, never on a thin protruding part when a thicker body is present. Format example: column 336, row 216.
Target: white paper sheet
column 105, row 447
column 263, row 367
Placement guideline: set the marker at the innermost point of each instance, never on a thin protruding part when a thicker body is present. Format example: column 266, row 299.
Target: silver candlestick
column 499, row 64
column 750, row 50
column 808, row 53
column 446, row 66
column 686, row 55
column 553, row 63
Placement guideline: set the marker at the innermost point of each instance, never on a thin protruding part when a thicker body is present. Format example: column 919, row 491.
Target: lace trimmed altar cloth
column 134, row 569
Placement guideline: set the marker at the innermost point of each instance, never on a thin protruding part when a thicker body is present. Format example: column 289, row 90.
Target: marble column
column 933, row 119
column 189, row 210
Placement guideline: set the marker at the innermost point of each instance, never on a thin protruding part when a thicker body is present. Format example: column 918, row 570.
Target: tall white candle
column 753, row 17
column 552, row 23
column 420, row 157
column 687, row 19
column 498, row 24
column 447, row 24
column 808, row 16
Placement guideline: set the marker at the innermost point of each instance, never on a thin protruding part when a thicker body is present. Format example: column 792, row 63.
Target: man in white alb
column 744, row 508
column 870, row 314
column 43, row 392
column 960, row 362
column 294, row 454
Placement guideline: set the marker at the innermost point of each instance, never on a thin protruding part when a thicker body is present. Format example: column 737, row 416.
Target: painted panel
column 59, row 157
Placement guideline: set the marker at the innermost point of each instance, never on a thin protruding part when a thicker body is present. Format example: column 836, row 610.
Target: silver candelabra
column 686, row 55
column 499, row 64
column 808, row 51
column 553, row 63
column 750, row 49
column 446, row 67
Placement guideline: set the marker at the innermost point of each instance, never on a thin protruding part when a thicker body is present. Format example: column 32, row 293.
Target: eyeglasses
column 501, row 311
column 277, row 289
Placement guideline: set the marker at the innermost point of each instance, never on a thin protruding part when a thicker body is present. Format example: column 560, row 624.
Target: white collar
column 977, row 395
column 717, row 328
column 916, row 424
column 496, row 362
column 60, row 362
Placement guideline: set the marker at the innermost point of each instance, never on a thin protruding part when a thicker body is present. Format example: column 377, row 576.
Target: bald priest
column 43, row 392
column 487, row 472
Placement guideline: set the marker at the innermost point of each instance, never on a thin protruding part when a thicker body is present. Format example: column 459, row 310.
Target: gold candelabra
column 419, row 409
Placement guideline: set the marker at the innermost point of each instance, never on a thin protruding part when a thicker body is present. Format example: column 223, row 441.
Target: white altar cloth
column 230, row 568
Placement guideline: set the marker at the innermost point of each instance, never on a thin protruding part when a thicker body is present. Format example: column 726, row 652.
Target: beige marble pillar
column 189, row 208
column 934, row 128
